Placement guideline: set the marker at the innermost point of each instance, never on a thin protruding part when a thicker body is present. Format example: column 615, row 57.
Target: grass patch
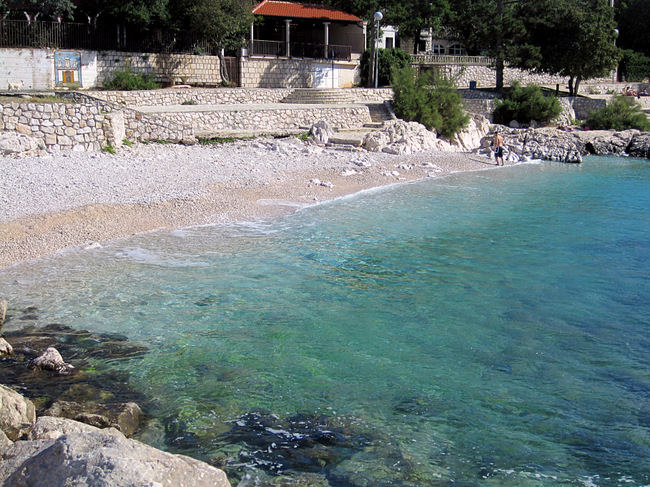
column 43, row 99
column 109, row 149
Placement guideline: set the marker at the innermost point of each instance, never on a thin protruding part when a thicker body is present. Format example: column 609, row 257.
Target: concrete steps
column 319, row 96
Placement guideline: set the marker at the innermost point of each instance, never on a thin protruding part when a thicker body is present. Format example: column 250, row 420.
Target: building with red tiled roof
column 302, row 30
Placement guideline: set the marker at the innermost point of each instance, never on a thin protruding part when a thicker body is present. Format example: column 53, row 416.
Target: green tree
column 50, row 9
column 414, row 16
column 389, row 60
column 633, row 19
column 430, row 100
column 142, row 13
column 493, row 28
column 225, row 24
column 574, row 38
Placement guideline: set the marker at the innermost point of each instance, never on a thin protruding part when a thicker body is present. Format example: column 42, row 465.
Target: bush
column 525, row 105
column 127, row 80
column 635, row 66
column 622, row 113
column 430, row 100
column 389, row 59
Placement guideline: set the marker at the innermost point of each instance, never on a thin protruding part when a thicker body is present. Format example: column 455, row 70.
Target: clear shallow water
column 490, row 328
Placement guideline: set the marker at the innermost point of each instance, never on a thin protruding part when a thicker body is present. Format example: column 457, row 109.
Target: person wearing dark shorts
column 497, row 143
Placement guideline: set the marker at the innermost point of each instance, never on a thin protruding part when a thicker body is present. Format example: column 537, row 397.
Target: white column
column 327, row 38
column 287, row 36
column 251, row 48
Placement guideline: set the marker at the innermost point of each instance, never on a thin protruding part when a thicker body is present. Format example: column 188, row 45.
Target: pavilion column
column 251, row 48
column 287, row 36
column 326, row 41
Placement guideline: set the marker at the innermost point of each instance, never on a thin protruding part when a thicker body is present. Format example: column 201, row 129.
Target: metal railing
column 450, row 59
column 66, row 35
column 299, row 49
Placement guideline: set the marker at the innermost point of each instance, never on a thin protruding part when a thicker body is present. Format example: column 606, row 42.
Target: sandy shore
column 244, row 181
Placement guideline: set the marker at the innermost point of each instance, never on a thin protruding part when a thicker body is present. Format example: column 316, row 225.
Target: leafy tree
column 143, row 13
column 225, row 24
column 414, row 16
column 491, row 27
column 635, row 66
column 574, row 38
column 622, row 113
column 633, row 18
column 430, row 100
column 51, row 9
column 526, row 104
column 389, row 59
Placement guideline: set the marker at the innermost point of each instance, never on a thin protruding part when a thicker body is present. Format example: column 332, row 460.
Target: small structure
column 300, row 30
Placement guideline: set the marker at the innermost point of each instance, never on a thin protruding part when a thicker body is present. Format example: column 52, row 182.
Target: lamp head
column 378, row 16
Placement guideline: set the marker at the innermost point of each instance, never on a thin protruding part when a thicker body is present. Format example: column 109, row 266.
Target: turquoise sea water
column 488, row 328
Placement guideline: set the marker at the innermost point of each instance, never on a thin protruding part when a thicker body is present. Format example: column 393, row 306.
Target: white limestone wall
column 34, row 67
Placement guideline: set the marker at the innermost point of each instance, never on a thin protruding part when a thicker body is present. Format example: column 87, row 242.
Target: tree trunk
column 500, row 54
column 577, row 85
column 571, row 86
column 223, row 71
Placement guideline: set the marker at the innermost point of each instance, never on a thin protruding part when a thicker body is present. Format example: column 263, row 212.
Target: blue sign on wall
column 67, row 65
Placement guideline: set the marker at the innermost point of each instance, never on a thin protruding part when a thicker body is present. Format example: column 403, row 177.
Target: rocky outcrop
column 640, row 146
column 17, row 414
column 400, row 137
column 56, row 451
column 552, row 144
column 99, row 457
column 125, row 417
column 5, row 348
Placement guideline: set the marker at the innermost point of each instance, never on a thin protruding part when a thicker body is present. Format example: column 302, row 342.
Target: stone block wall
column 292, row 73
column 166, row 68
column 276, row 121
column 87, row 124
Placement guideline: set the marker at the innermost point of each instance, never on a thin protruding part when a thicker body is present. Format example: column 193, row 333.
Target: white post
column 378, row 16
column 327, row 39
column 251, row 48
column 287, row 36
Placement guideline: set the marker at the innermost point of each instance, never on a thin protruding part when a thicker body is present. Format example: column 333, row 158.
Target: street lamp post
column 378, row 16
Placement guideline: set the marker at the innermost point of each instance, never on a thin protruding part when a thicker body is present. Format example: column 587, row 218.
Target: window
column 437, row 49
column 457, row 50
column 389, row 43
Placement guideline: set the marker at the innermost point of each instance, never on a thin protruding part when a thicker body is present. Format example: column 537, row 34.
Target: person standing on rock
column 497, row 143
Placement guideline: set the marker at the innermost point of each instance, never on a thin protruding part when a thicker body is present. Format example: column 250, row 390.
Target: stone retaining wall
column 88, row 124
column 276, row 121
column 224, row 96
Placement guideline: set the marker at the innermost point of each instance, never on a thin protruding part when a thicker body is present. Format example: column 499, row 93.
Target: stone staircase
column 319, row 96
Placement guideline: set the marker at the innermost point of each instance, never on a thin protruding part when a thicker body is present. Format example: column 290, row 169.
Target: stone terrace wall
column 87, row 124
column 223, row 96
column 277, row 121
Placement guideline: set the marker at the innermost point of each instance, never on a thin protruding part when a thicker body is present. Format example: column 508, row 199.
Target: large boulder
column 50, row 428
column 17, row 413
column 321, row 131
column 400, row 137
column 126, row 417
column 101, row 457
column 470, row 138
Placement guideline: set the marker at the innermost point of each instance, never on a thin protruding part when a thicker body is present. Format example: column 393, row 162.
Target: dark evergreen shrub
column 525, row 104
column 635, row 66
column 622, row 113
column 430, row 100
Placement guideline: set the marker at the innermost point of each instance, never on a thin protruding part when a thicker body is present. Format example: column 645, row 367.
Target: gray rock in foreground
column 17, row 414
column 96, row 457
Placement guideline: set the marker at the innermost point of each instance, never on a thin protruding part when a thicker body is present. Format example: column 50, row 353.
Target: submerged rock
column 51, row 360
column 5, row 348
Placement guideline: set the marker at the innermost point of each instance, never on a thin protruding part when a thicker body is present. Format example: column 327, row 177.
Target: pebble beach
column 52, row 202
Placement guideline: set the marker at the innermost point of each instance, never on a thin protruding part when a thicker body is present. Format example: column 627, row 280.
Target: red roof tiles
column 278, row 8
